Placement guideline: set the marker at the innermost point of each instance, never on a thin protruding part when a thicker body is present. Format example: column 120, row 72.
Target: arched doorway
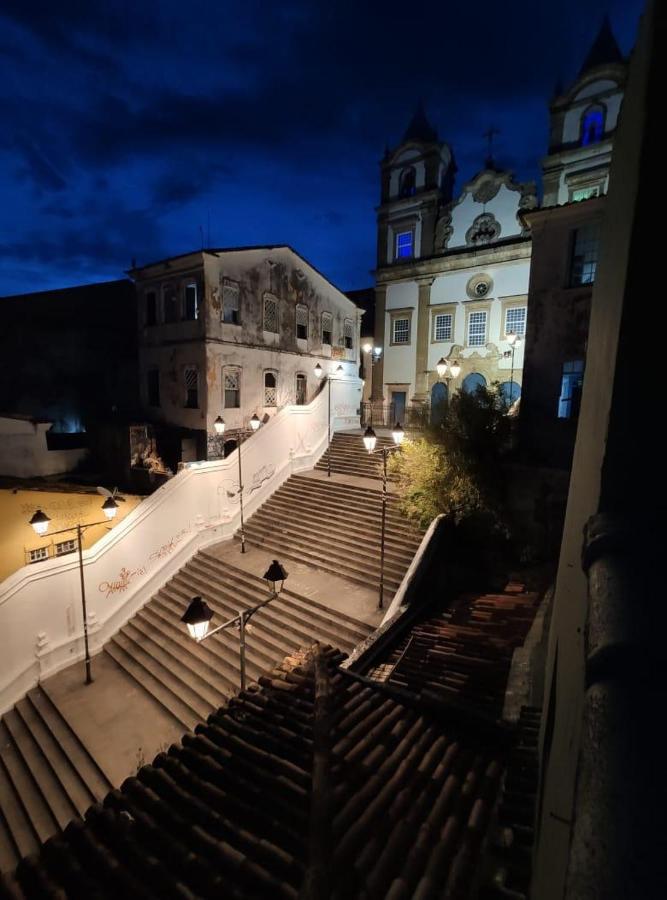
column 439, row 399
column 510, row 391
column 472, row 382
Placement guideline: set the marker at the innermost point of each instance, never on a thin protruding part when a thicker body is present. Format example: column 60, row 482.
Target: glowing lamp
column 455, row 369
column 511, row 337
column 110, row 508
column 219, row 425
column 370, row 439
column 517, row 342
column 197, row 617
column 398, row 434
column 275, row 573
column 441, row 367
column 254, row 422
column 40, row 522
column 367, row 348
column 340, row 370
column 319, row 371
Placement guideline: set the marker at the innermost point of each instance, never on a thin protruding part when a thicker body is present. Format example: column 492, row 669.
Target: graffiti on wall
column 125, row 577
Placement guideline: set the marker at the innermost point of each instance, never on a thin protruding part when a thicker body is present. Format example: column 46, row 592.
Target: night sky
column 141, row 129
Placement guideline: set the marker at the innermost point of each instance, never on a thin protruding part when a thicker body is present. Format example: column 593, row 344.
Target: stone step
column 338, row 491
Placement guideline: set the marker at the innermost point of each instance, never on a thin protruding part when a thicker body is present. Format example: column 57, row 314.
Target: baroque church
column 453, row 273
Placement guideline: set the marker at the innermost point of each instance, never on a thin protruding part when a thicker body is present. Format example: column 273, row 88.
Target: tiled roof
column 312, row 782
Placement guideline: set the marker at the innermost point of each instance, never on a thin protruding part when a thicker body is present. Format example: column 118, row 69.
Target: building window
column 404, row 241
column 170, row 303
column 327, row 329
column 301, row 385
column 153, row 387
column 477, row 329
column 230, row 303
column 571, row 384
column 191, row 301
column 65, row 547
column 348, row 334
column 271, row 314
column 302, row 323
column 232, row 388
column 515, row 320
column 472, row 382
column 408, row 185
column 191, row 377
column 442, row 327
column 38, row 555
column 585, row 193
column 151, row 308
column 584, row 255
column 592, row 126
column 400, row 331
column 270, row 389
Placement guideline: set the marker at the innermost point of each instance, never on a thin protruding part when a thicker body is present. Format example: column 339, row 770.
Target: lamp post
column 375, row 354
column 370, row 439
column 241, row 435
column 319, row 371
column 198, row 615
column 40, row 523
column 514, row 341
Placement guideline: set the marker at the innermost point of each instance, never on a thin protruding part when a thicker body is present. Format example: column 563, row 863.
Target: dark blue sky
column 130, row 128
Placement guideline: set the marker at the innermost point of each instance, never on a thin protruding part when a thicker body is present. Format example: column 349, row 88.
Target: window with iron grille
column 327, row 329
column 271, row 314
column 515, row 320
column 477, row 329
column 64, row 547
column 584, row 255
column 270, row 389
column 191, row 377
column 301, row 387
column 401, row 331
column 191, row 300
column 348, row 334
column 38, row 554
column 442, row 327
column 170, row 303
column 151, row 308
column 230, row 302
column 153, row 387
column 302, row 323
column 232, row 388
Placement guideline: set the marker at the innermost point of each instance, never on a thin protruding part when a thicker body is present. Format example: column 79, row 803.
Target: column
column 423, row 326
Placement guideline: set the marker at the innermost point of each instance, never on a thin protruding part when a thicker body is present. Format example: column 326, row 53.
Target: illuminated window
column 39, row 554
column 271, row 314
column 270, row 389
column 348, row 334
column 191, row 377
column 232, row 388
column 401, row 331
column 477, row 329
column 153, row 387
column 585, row 193
column 515, row 320
column 584, row 255
column 302, row 323
column 404, row 245
column 230, row 302
column 327, row 329
column 191, row 301
column 442, row 327
column 64, row 547
column 571, row 383
column 592, row 126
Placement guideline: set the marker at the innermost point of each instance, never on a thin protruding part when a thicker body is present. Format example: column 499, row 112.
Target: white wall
column 399, row 360
column 40, row 605
column 24, row 453
column 504, row 207
column 612, row 104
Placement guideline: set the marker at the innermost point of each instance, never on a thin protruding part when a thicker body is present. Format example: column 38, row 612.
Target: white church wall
column 503, row 207
column 40, row 604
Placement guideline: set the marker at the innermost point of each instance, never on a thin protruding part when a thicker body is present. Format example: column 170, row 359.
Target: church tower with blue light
column 583, row 122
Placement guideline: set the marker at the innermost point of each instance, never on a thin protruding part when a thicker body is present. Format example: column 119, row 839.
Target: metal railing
column 384, row 415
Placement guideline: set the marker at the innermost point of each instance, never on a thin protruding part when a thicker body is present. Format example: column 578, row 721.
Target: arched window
column 408, row 183
column 592, row 125
column 270, row 389
column 510, row 391
column 301, row 388
column 439, row 399
column 472, row 382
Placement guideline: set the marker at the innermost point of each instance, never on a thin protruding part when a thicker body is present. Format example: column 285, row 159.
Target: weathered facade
column 234, row 333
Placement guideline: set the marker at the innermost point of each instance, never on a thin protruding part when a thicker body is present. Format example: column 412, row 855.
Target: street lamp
column 40, row 523
column 514, row 340
column 443, row 364
column 219, row 425
column 197, row 617
column 241, row 435
column 319, row 371
column 370, row 440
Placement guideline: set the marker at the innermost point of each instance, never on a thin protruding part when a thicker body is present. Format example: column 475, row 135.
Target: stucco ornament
column 443, row 231
column 484, row 229
column 479, row 286
column 488, row 185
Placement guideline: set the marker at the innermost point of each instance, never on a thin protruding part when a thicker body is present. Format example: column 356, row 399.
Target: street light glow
column 40, row 522
column 254, row 422
column 219, row 425
column 110, row 508
column 319, row 371
column 441, row 367
column 197, row 617
column 370, row 439
column 398, row 434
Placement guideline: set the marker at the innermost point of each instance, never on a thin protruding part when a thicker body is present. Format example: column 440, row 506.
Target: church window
column 572, row 380
column 270, row 389
column 271, row 314
column 301, row 387
column 232, row 388
column 442, row 327
column 515, row 320
column 151, row 308
column 477, row 329
column 302, row 323
column 348, row 334
column 592, row 126
column 191, row 377
column 584, row 255
column 230, row 302
column 327, row 329
column 401, row 331
column 404, row 242
column 170, row 303
column 153, row 387
column 191, row 300
column 408, row 183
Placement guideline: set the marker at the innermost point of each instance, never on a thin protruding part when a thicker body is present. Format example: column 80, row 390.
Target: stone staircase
column 191, row 680
column 47, row 777
column 350, row 457
column 335, row 526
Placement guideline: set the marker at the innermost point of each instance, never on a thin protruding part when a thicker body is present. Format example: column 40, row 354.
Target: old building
column 234, row 333
column 452, row 276
column 565, row 235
